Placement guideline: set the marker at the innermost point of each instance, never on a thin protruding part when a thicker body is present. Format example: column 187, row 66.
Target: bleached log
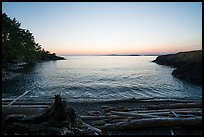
column 5, row 100
column 196, row 111
column 199, row 113
column 93, row 117
column 177, row 105
column 174, row 114
column 111, row 116
column 18, row 98
column 101, row 117
column 187, row 115
column 190, row 112
column 91, row 128
column 152, row 122
column 163, row 110
column 136, row 115
column 179, row 114
column 156, row 114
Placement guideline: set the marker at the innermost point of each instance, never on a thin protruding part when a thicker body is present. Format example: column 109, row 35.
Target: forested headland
column 19, row 48
column 18, row 44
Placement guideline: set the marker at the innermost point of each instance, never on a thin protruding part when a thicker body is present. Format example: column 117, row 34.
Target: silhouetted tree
column 19, row 44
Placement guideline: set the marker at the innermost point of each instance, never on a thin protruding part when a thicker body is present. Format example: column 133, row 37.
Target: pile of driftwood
column 58, row 119
column 168, row 115
column 40, row 118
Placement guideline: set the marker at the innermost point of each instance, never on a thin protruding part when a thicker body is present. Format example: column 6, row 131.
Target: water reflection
column 100, row 78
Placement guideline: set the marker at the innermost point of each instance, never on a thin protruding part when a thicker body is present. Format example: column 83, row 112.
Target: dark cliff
column 188, row 65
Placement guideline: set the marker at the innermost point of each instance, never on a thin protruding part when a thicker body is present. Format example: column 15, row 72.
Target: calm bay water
column 90, row 78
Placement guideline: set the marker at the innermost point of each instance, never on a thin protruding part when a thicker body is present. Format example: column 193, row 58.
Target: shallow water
column 94, row 78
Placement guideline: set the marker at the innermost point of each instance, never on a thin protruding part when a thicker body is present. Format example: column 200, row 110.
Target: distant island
column 123, row 55
column 132, row 55
column 151, row 55
column 19, row 47
column 188, row 65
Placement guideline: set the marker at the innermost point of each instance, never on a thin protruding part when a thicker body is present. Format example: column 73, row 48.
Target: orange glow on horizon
column 120, row 51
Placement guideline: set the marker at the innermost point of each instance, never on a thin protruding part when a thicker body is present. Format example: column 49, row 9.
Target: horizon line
column 110, row 54
column 128, row 54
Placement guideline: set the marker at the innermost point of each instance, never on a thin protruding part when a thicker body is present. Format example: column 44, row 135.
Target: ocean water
column 99, row 78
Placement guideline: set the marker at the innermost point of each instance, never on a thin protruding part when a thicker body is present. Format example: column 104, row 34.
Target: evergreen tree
column 18, row 45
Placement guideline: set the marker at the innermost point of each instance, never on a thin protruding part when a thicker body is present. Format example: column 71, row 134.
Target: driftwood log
column 151, row 122
column 177, row 105
column 136, row 115
column 147, row 114
column 18, row 98
column 59, row 119
column 45, row 118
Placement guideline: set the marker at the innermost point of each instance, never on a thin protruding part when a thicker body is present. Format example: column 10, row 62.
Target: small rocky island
column 188, row 65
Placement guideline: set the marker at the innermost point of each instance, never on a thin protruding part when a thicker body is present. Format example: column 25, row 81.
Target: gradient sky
column 110, row 27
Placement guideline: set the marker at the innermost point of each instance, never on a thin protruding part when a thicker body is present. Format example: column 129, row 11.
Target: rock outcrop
column 188, row 65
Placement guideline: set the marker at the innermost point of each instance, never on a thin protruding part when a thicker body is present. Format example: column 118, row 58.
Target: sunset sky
column 85, row 28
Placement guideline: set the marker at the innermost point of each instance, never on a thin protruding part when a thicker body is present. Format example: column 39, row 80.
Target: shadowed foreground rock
column 188, row 65
column 59, row 119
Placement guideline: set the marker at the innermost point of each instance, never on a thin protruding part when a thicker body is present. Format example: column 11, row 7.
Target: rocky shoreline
column 188, row 65
column 11, row 71
column 7, row 75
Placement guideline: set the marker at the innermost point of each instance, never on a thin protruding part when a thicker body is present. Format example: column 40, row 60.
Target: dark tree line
column 18, row 45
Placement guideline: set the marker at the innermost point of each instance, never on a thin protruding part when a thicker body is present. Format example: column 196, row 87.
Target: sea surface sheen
column 100, row 78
